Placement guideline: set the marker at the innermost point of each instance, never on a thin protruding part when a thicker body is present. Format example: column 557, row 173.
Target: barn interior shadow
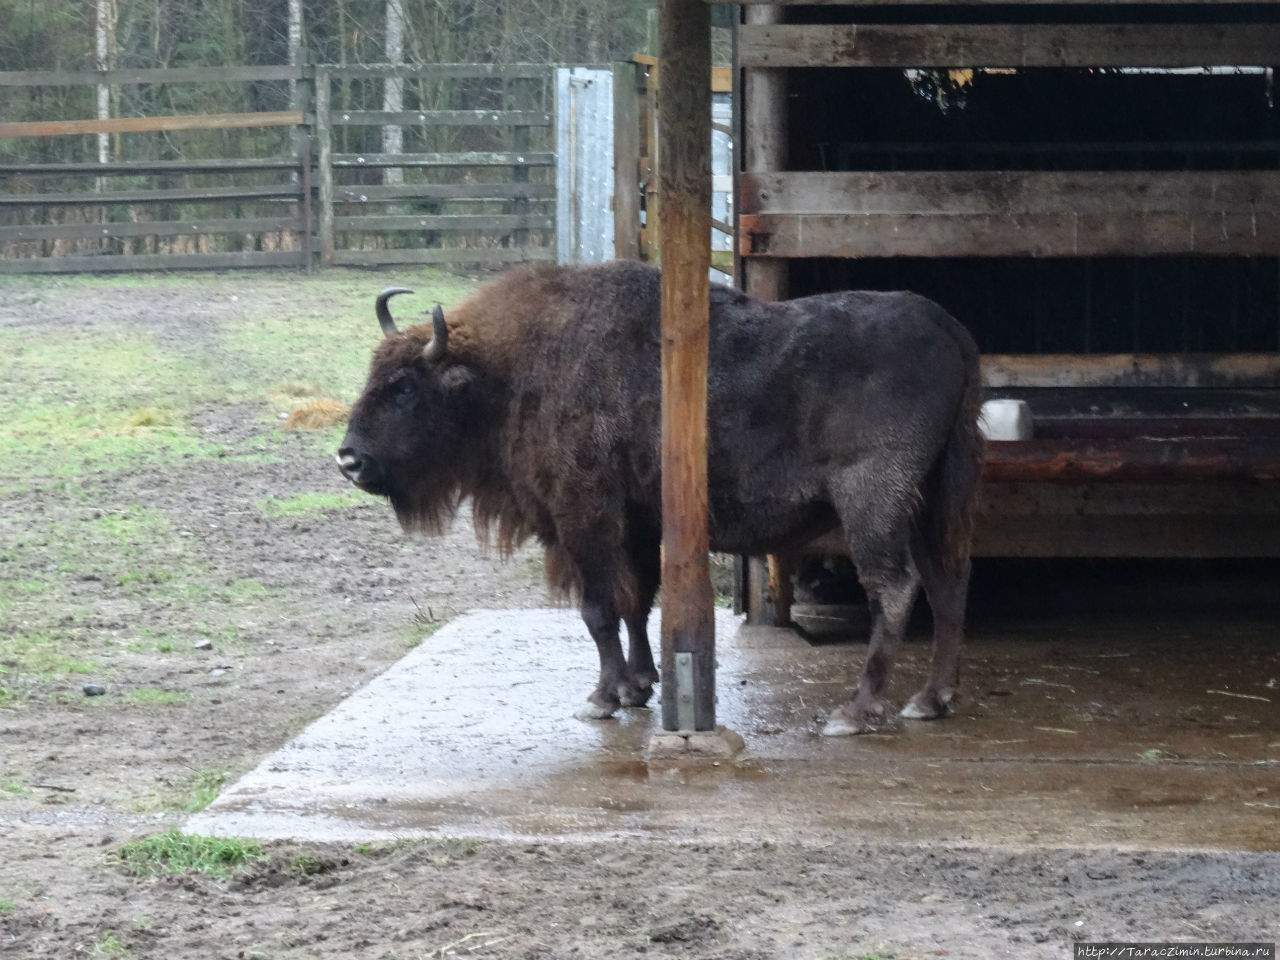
column 1012, row 594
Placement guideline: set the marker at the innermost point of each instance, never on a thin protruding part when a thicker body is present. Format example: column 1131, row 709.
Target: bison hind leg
column 876, row 501
column 637, row 607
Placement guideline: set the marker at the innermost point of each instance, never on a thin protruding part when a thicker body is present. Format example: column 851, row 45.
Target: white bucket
column 1005, row 420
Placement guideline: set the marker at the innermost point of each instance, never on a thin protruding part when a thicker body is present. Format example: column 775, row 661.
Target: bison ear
column 439, row 336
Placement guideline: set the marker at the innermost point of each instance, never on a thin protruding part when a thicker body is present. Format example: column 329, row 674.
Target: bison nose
column 363, row 471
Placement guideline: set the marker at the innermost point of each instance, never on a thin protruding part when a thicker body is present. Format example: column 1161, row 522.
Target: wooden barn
column 1094, row 190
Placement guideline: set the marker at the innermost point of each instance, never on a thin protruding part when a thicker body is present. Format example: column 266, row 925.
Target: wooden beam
column 491, row 222
column 442, row 118
column 1003, row 192
column 159, row 261
column 1008, row 45
column 443, row 71
column 626, row 162
column 963, row 213
column 69, row 78
column 1241, row 371
column 684, row 125
column 212, row 121
column 1119, row 234
column 369, row 258
column 280, row 191
column 982, row 3
column 444, row 191
column 158, row 228
column 135, row 167
column 764, row 121
column 471, row 159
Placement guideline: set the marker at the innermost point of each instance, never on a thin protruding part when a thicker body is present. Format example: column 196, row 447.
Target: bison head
column 405, row 438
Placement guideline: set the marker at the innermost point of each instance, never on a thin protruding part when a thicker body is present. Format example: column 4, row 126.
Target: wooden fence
column 474, row 182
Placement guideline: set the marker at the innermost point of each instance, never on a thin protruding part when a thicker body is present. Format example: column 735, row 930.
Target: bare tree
column 393, row 88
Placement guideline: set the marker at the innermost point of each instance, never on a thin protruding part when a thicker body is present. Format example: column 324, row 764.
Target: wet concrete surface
column 1071, row 733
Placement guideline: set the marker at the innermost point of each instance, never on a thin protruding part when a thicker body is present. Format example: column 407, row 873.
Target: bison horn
column 384, row 314
column 439, row 336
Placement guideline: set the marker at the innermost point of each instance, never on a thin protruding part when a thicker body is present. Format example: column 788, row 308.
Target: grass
column 439, row 850
column 204, row 789
column 154, row 697
column 85, row 404
column 313, row 504
column 109, row 946
column 177, row 852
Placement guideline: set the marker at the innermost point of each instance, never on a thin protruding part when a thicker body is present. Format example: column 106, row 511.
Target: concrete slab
column 1132, row 735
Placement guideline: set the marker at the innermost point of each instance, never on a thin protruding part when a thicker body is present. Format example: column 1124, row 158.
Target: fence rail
column 474, row 182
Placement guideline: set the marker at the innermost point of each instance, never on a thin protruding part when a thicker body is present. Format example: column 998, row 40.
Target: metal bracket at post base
column 685, row 710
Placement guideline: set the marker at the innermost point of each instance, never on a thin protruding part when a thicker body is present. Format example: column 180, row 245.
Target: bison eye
column 403, row 390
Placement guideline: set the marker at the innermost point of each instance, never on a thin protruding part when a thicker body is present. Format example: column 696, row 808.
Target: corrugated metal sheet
column 584, row 169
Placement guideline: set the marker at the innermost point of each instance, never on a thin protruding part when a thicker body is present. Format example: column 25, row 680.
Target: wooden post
column 626, row 162
column 684, row 124
column 765, row 148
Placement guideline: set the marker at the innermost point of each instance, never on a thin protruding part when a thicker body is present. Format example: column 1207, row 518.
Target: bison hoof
column 593, row 709
column 634, row 695
column 846, row 721
column 928, row 705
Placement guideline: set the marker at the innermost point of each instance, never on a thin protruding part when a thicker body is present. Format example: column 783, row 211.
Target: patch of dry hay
column 317, row 415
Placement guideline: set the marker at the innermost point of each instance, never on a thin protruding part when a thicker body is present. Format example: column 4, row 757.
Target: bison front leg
column 624, row 682
column 643, row 671
column 601, row 617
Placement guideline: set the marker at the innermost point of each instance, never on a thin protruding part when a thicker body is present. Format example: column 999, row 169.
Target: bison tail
column 955, row 483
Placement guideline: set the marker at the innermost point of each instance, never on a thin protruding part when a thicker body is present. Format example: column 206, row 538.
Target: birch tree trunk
column 295, row 48
column 104, row 29
column 393, row 89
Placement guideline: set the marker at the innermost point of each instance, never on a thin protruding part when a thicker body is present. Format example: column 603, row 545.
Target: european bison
column 539, row 399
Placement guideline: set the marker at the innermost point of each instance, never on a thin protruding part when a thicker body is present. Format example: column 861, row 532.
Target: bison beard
column 539, row 398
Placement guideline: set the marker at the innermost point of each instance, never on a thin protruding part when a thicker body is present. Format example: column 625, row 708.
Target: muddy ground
column 294, row 610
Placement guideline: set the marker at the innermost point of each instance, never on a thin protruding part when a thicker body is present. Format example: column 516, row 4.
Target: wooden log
column 1133, row 460
column 218, row 121
column 688, row 624
column 1162, row 45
